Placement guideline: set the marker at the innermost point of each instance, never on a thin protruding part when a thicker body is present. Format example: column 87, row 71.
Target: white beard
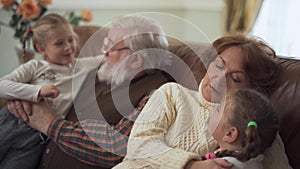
column 114, row 75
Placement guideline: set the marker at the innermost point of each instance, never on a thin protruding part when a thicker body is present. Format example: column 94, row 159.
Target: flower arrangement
column 86, row 16
column 26, row 12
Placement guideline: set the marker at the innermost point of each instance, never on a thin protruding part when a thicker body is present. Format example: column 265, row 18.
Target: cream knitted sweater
column 171, row 130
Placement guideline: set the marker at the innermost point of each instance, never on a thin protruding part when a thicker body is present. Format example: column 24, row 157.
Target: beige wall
column 189, row 17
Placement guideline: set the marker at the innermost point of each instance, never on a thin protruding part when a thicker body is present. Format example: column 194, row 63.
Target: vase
column 23, row 58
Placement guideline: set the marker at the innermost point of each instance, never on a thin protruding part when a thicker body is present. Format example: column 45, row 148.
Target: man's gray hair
column 146, row 36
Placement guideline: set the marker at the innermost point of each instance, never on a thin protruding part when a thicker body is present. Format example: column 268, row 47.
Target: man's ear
column 137, row 61
column 231, row 135
column 40, row 49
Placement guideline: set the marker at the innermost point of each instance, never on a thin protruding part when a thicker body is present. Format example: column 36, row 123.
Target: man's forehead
column 116, row 34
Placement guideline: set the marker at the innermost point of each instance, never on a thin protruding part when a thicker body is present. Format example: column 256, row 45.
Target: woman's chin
column 206, row 94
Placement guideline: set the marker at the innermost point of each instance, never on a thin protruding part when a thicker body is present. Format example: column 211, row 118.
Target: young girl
column 49, row 79
column 244, row 125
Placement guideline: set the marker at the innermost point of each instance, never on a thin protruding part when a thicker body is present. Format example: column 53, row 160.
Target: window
column 279, row 25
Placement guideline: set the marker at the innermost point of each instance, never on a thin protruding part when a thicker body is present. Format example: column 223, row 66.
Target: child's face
column 61, row 46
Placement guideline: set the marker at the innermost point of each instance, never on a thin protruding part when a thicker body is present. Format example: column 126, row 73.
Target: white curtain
column 279, row 25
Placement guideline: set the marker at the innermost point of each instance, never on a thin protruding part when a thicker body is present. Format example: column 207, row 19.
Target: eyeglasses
column 107, row 43
column 118, row 49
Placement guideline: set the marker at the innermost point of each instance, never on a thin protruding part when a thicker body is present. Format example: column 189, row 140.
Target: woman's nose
column 220, row 81
column 217, row 79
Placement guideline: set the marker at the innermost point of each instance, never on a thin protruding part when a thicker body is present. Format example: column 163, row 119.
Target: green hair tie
column 252, row 123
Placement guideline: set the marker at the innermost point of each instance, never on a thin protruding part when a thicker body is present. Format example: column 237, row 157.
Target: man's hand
column 49, row 91
column 209, row 164
column 20, row 109
column 42, row 116
column 37, row 115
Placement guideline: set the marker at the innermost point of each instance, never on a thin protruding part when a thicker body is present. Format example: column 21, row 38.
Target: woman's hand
column 20, row 109
column 209, row 164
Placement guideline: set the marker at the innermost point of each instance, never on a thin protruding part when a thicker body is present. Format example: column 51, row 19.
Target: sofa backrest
column 286, row 99
column 90, row 39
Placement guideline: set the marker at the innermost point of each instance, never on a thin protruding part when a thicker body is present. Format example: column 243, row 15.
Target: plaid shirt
column 94, row 142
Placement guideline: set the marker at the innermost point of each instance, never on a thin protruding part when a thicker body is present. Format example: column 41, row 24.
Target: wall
column 190, row 17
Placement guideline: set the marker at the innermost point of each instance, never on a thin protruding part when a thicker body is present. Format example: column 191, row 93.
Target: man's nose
column 103, row 49
column 106, row 53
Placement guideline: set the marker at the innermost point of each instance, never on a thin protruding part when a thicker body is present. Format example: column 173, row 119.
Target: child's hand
column 49, row 91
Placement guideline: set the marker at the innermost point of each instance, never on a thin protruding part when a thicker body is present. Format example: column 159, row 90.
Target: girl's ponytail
column 28, row 34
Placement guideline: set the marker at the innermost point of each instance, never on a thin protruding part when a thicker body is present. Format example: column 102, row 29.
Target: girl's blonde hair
column 40, row 31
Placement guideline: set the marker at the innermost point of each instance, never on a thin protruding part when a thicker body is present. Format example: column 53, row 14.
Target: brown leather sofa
column 286, row 98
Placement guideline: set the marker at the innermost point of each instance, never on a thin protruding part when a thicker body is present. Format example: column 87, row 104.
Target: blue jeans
column 21, row 146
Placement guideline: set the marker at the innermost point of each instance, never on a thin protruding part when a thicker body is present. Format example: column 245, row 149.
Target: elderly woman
column 171, row 131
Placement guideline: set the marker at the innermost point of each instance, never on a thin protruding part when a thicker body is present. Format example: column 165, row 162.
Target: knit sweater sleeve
column 16, row 84
column 147, row 143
